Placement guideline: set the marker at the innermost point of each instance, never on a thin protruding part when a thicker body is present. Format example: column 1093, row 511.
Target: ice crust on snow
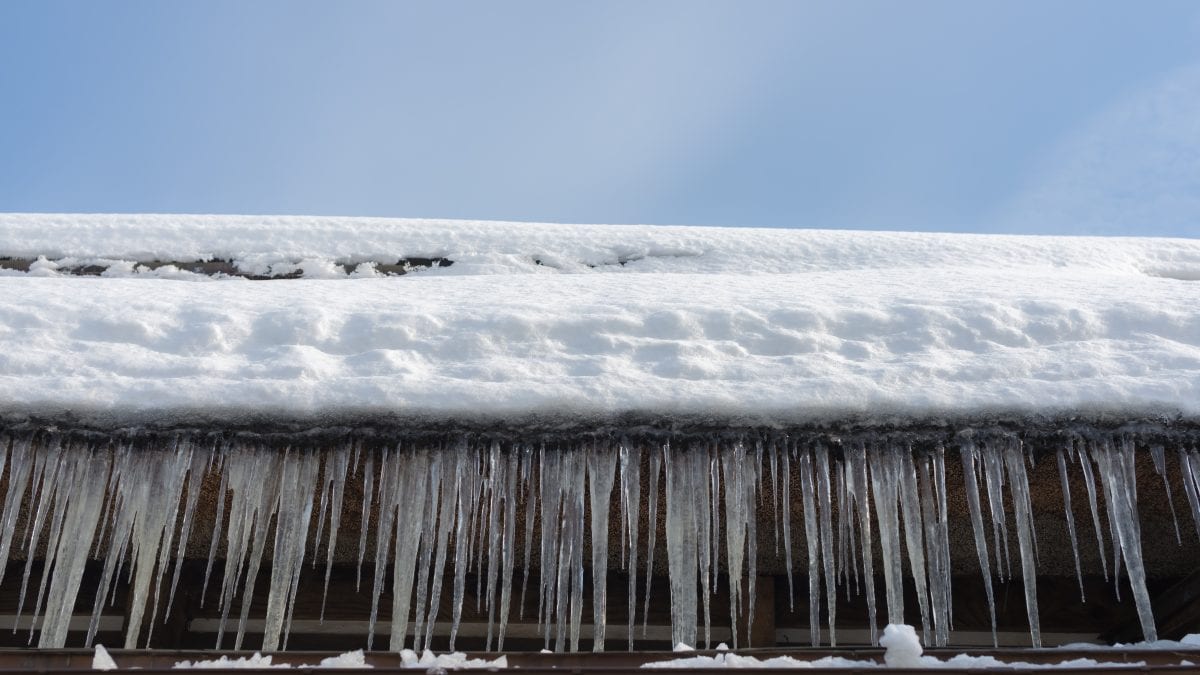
column 794, row 324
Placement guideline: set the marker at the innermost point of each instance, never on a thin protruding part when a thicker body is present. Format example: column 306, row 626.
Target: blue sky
column 1055, row 117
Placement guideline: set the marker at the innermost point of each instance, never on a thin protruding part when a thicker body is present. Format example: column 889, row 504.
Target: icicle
column 681, row 546
column 773, row 455
column 914, row 542
column 410, row 536
column 702, row 470
column 1158, row 456
column 368, row 485
column 196, row 473
column 601, row 465
column 885, row 487
column 447, row 499
column 298, row 485
column 733, row 465
column 150, row 489
column 261, row 489
column 1111, row 508
column 631, row 486
column 656, row 460
column 531, row 504
column 1090, row 482
column 508, row 544
column 938, row 570
column 993, row 478
column 1070, row 517
column 80, row 502
column 335, row 477
column 825, row 502
column 550, row 477
column 44, row 481
column 969, row 455
column 856, row 474
column 1014, row 460
column 568, row 609
column 943, row 539
column 19, row 466
column 465, row 489
column 222, row 494
column 385, row 526
column 497, row 481
column 427, row 543
column 1189, row 471
column 812, row 540
column 847, row 560
column 787, row 524
column 1116, row 467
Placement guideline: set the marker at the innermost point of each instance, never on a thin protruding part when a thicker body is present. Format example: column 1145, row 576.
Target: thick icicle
column 82, row 496
column 298, row 484
column 825, row 502
column 681, row 530
column 733, row 466
column 631, row 486
column 508, row 543
column 1116, row 465
column 410, row 536
column 656, row 460
column 812, row 540
column 1014, row 460
column 601, row 465
column 19, row 466
column 885, row 486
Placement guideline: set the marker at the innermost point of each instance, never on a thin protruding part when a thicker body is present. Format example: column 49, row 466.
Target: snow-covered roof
column 546, row 319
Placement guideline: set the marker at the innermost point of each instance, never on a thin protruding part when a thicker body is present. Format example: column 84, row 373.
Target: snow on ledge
column 794, row 324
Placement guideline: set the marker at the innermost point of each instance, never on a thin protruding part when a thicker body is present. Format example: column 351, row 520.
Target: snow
column 1190, row 641
column 788, row 324
column 101, row 660
column 256, row 661
column 450, row 661
column 258, row 242
column 902, row 645
column 902, row 650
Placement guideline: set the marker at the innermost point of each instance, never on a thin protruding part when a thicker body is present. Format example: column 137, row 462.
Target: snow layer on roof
column 480, row 247
column 794, row 324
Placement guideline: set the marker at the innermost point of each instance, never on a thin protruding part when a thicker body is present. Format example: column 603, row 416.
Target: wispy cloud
column 1134, row 169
